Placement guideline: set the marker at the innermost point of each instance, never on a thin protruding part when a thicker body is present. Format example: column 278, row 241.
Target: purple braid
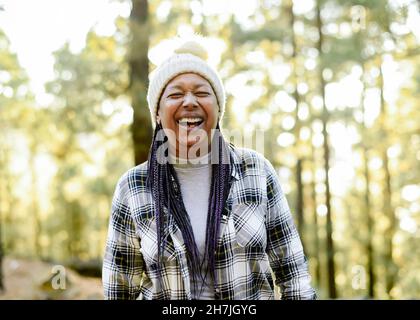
column 163, row 183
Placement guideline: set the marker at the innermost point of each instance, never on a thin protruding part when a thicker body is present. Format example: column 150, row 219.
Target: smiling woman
column 216, row 228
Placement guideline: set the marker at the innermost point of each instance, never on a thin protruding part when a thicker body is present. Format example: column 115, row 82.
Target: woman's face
column 188, row 111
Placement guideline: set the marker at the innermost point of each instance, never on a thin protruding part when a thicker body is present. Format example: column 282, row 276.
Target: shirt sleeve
column 284, row 247
column 123, row 262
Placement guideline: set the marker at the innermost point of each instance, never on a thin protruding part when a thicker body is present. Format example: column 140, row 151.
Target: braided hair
column 164, row 186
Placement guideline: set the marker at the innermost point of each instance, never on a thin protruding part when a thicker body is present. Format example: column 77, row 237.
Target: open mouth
column 190, row 123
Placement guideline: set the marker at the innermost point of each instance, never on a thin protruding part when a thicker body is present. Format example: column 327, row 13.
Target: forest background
column 334, row 86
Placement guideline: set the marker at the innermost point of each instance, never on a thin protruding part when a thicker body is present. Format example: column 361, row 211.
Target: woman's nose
column 189, row 100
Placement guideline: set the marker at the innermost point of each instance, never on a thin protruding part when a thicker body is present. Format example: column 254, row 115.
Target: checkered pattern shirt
column 258, row 250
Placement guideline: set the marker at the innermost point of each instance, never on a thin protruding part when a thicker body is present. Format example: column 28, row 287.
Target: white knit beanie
column 189, row 57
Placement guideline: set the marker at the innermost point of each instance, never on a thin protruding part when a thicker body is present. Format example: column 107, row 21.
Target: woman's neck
column 198, row 161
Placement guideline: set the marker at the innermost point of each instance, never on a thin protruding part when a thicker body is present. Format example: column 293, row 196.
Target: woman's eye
column 202, row 94
column 175, row 95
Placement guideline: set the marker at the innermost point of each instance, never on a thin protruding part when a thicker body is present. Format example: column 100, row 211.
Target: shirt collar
column 235, row 162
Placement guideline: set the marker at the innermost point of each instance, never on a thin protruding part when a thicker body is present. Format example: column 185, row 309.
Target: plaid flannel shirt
column 258, row 251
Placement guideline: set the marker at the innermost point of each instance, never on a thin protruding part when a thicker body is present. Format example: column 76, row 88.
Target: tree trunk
column 368, row 213
column 139, row 71
column 2, row 165
column 34, row 202
column 325, row 117
column 315, row 214
column 299, row 202
column 1, row 253
column 391, row 269
column 369, row 222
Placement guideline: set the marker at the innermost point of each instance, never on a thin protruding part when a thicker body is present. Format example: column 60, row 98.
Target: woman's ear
column 158, row 119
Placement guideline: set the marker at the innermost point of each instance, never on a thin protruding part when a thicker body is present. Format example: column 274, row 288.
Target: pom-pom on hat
column 191, row 57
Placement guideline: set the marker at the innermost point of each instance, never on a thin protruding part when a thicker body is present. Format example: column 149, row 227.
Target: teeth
column 189, row 120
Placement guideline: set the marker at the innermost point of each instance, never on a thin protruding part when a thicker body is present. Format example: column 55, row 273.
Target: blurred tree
column 34, row 127
column 404, row 157
column 317, row 246
column 299, row 202
column 369, row 220
column 85, row 88
column 387, row 190
column 373, row 33
column 139, row 71
column 2, row 165
column 14, row 100
column 325, row 118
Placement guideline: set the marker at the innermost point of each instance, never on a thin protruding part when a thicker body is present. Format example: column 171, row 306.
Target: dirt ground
column 26, row 279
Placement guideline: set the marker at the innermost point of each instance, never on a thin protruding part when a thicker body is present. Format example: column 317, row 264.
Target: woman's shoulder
column 248, row 161
column 249, row 158
column 134, row 177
